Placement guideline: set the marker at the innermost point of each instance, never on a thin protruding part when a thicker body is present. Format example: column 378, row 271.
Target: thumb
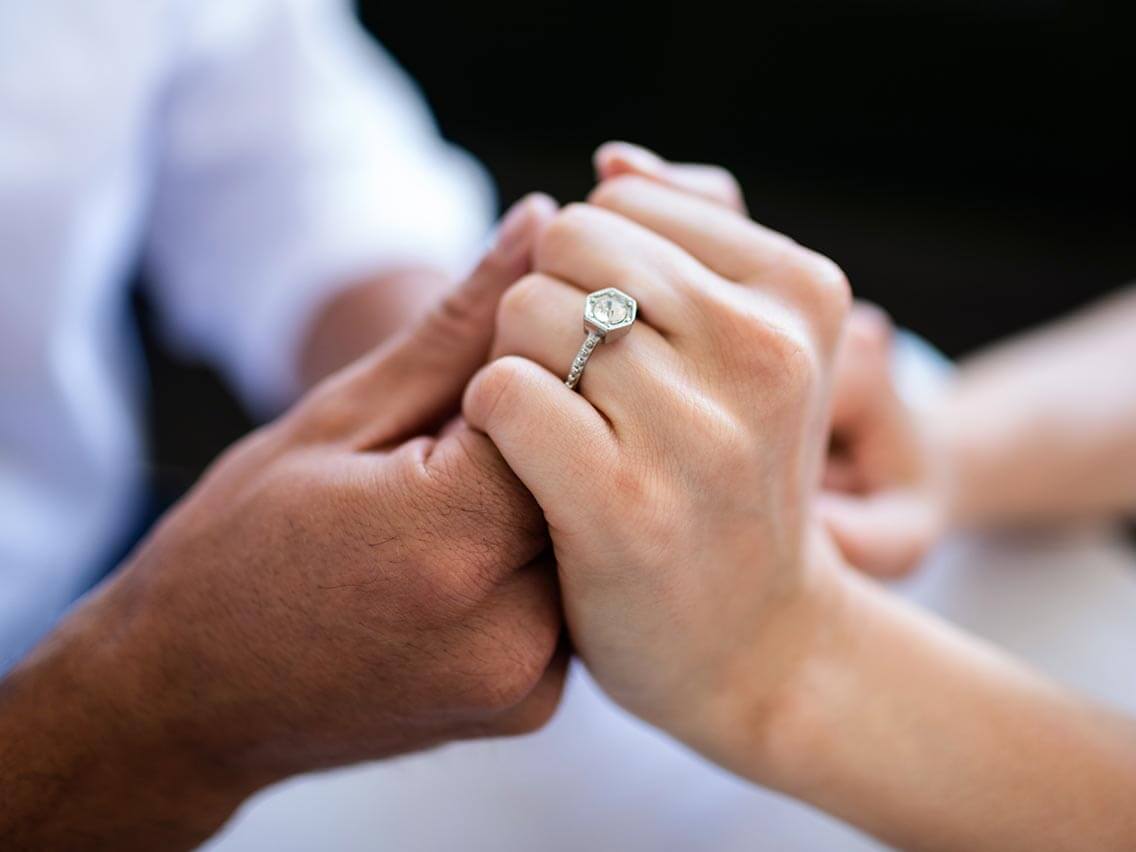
column 416, row 380
column 885, row 534
column 862, row 386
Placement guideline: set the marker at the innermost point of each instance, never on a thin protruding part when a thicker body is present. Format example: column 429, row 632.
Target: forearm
column 360, row 317
column 928, row 739
column 1044, row 428
column 89, row 759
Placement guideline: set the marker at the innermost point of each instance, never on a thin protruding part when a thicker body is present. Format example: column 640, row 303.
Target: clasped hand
column 369, row 575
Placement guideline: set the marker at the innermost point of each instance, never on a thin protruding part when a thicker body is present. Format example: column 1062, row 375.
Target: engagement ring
column 608, row 315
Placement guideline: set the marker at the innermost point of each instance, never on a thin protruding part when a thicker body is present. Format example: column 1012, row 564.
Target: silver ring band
column 608, row 315
column 593, row 340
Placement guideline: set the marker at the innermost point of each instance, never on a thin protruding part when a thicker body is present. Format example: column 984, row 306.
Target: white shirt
column 252, row 155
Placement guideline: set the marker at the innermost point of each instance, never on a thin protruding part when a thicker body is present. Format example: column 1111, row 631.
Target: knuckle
column 507, row 683
column 780, row 354
column 832, row 283
column 825, row 288
column 796, row 358
column 564, row 231
column 535, row 712
column 478, row 520
column 519, row 302
column 729, row 188
column 452, row 315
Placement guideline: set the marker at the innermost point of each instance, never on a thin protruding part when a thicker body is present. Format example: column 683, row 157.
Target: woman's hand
column 678, row 483
column 885, row 500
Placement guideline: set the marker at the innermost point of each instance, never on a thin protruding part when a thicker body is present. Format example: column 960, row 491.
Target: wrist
column 89, row 738
column 750, row 724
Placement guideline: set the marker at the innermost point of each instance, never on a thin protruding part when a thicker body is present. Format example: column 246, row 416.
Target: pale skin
column 701, row 587
column 1043, row 428
column 1036, row 431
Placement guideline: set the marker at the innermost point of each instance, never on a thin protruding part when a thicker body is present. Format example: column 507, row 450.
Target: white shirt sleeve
column 294, row 156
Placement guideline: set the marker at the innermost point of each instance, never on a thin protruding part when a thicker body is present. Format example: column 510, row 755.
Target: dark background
column 970, row 164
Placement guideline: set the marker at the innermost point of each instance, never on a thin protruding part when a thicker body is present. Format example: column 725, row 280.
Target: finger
column 418, row 378
column 539, row 706
column 550, row 436
column 886, row 535
column 841, row 474
column 593, row 249
column 478, row 506
column 540, row 319
column 734, row 247
column 870, row 419
column 713, row 183
column 863, row 387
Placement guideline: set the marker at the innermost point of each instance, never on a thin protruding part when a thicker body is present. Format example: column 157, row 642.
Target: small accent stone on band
column 593, row 340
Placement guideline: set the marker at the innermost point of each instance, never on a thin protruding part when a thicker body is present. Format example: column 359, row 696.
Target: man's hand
column 340, row 586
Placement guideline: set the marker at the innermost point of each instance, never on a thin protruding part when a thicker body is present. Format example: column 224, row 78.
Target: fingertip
column 880, row 537
column 539, row 205
column 521, row 224
column 491, row 387
column 618, row 157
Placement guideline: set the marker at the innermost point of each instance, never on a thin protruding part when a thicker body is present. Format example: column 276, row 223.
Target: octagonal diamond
column 610, row 310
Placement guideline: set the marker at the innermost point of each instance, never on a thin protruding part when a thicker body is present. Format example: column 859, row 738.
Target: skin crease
column 340, row 586
column 700, row 585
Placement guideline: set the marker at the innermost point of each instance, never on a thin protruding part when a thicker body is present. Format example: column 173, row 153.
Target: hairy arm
column 90, row 757
column 1043, row 427
column 255, row 631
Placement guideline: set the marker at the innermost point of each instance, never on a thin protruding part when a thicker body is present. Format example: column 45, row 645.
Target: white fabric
column 256, row 154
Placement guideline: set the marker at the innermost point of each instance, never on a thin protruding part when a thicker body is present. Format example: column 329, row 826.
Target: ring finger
column 541, row 318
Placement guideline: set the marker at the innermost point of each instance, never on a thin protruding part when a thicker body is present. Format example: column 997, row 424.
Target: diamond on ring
column 608, row 315
column 609, row 312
